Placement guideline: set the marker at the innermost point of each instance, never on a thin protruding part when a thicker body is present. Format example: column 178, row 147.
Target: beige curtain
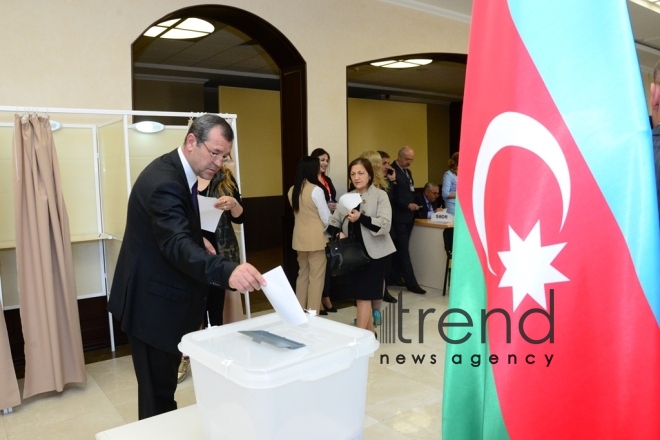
column 9, row 396
column 46, row 285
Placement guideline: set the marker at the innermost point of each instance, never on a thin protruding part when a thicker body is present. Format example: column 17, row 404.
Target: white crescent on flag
column 511, row 129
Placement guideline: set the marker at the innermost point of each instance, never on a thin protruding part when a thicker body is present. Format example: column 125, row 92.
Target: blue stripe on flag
column 585, row 54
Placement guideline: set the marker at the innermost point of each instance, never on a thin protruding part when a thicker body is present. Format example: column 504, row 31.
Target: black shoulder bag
column 345, row 255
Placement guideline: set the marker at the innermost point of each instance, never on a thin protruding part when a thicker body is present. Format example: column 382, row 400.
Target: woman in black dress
column 369, row 223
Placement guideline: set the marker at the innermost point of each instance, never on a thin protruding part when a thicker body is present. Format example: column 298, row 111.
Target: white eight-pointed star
column 528, row 267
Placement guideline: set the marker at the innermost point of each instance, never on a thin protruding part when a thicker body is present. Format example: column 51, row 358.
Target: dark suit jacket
column 424, row 210
column 401, row 197
column 162, row 278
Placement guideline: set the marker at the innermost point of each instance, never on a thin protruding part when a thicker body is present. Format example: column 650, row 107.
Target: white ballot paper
column 209, row 215
column 281, row 296
column 348, row 201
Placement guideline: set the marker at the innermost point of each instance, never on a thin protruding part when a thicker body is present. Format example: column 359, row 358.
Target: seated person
column 428, row 201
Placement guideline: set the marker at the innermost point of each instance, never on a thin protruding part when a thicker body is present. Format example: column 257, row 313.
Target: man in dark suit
column 403, row 219
column 428, row 200
column 163, row 271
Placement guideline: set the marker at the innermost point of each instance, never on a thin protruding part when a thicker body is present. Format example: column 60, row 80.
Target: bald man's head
column 406, row 157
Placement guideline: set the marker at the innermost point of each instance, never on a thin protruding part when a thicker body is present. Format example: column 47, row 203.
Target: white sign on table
column 442, row 217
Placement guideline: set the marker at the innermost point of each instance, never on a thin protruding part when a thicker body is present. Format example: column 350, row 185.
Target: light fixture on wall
column 402, row 64
column 54, row 125
column 177, row 29
column 148, row 127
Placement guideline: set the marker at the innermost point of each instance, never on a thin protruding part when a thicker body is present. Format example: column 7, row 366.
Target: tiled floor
column 404, row 400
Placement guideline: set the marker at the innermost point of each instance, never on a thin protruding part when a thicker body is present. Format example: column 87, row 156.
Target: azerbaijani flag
column 556, row 192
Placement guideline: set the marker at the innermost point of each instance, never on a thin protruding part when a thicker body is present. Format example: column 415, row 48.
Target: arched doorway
column 293, row 109
column 436, row 87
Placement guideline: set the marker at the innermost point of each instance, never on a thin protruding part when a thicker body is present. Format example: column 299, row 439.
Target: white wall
column 78, row 53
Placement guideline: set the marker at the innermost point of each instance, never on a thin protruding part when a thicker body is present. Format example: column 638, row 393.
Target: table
column 175, row 425
column 427, row 252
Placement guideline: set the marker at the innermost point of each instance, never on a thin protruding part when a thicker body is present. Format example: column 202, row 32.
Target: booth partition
column 100, row 154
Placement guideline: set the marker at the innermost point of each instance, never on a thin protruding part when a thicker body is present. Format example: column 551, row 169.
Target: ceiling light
column 181, row 30
column 182, row 34
column 421, row 62
column 402, row 64
column 54, row 125
column 148, row 127
column 382, row 63
column 169, row 23
column 195, row 24
column 154, row 31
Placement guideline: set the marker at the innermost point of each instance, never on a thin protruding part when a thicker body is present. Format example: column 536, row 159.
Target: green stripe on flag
column 470, row 408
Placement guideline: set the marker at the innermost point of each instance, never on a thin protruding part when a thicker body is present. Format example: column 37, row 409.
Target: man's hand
column 209, row 247
column 437, row 209
column 413, row 207
column 246, row 278
column 655, row 104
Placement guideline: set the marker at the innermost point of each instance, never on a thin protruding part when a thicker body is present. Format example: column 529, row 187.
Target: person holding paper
column 163, row 272
column 369, row 222
column 224, row 187
column 428, row 200
column 311, row 214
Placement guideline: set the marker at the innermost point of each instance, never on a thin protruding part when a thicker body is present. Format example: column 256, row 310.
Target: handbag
column 345, row 254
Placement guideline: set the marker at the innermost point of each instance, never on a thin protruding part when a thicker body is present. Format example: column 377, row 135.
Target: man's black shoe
column 417, row 289
column 389, row 298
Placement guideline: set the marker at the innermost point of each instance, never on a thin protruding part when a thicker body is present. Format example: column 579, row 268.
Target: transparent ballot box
column 280, row 381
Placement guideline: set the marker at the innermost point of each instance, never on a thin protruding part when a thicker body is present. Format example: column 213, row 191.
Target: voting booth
column 101, row 153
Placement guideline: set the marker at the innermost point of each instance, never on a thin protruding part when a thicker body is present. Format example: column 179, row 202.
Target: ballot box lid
column 329, row 347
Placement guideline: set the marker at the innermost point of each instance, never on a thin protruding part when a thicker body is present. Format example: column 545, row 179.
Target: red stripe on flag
column 604, row 377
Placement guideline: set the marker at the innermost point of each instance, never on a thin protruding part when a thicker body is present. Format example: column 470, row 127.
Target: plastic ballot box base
column 248, row 388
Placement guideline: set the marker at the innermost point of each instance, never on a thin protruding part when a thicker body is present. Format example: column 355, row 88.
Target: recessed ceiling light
column 399, row 65
column 169, row 23
column 148, row 127
column 382, row 63
column 402, row 64
column 154, row 31
column 421, row 62
column 182, row 34
column 181, row 30
column 195, row 24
